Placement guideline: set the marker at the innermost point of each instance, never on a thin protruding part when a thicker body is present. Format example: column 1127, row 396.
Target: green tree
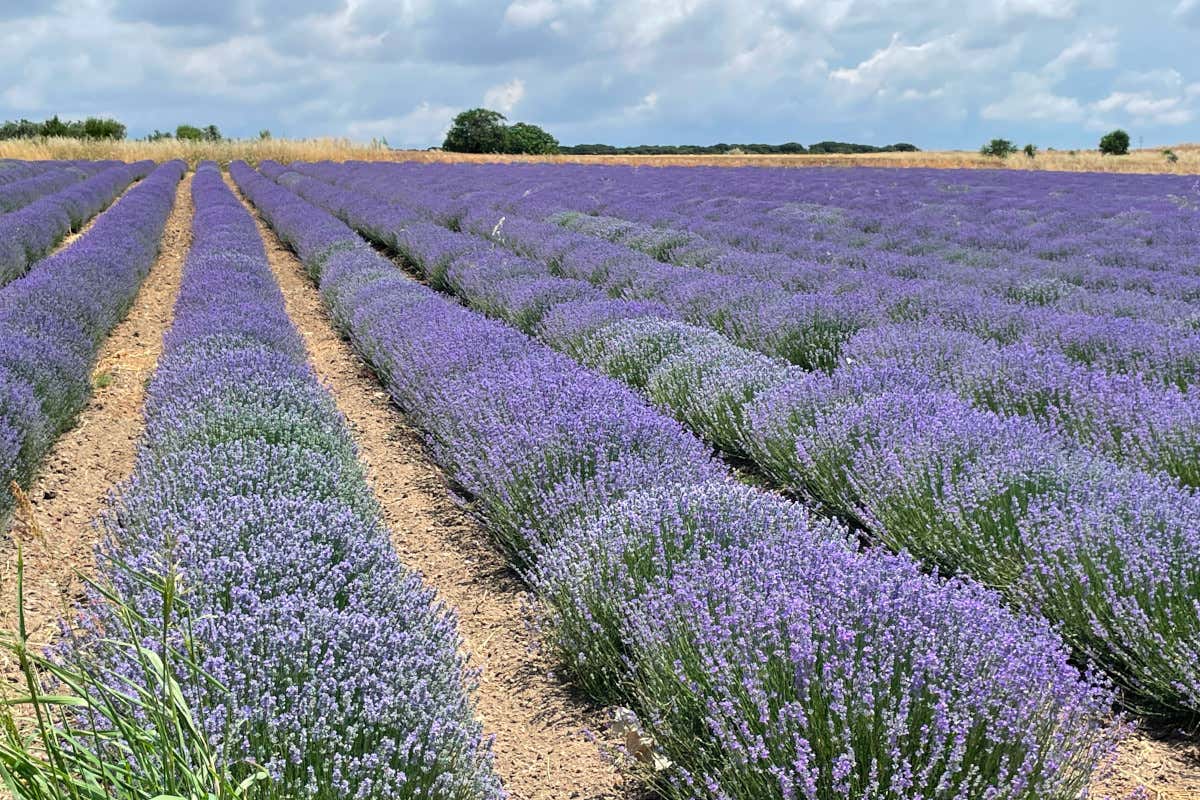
column 998, row 148
column 1115, row 143
column 212, row 133
column 96, row 128
column 1030, row 150
column 189, row 133
column 478, row 130
column 54, row 127
column 528, row 139
column 264, row 134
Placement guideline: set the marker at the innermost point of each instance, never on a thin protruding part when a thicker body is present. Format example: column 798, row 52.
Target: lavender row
column 31, row 232
column 1102, row 231
column 1124, row 417
column 755, row 299
column 14, row 170
column 339, row 671
column 1110, row 554
column 53, row 320
column 22, row 193
column 765, row 656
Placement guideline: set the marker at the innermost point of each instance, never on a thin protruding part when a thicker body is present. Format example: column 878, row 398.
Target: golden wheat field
column 1147, row 160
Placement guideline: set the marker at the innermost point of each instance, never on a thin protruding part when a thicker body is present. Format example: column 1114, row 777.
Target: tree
column 1030, row 150
column 212, row 133
column 529, row 140
column 478, row 130
column 54, row 127
column 1115, row 143
column 264, row 134
column 189, row 133
column 96, row 128
column 998, row 148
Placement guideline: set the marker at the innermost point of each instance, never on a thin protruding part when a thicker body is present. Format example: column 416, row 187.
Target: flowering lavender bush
column 21, row 193
column 613, row 511
column 53, row 320
column 29, row 233
column 767, row 672
column 932, row 438
column 336, row 670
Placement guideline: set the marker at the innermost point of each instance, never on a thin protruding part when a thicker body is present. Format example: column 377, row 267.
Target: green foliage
column 787, row 148
column 1171, row 156
column 528, row 139
column 264, row 134
column 90, row 128
column 477, row 130
column 189, row 133
column 81, row 731
column 998, row 148
column 212, row 133
column 1030, row 150
column 158, row 135
column 1115, row 143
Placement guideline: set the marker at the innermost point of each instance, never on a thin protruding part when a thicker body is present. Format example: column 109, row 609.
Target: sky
column 941, row 74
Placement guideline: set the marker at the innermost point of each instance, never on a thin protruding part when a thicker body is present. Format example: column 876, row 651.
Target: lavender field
column 825, row 483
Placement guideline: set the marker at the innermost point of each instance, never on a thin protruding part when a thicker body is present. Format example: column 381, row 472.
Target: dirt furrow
column 543, row 751
column 87, row 461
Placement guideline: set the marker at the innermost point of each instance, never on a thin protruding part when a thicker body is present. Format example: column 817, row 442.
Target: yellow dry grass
column 1150, row 160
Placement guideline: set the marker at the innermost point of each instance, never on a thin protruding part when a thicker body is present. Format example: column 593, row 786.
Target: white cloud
column 901, row 67
column 1031, row 98
column 530, row 13
column 1188, row 12
column 505, row 97
column 1145, row 108
column 1097, row 50
column 1047, row 9
column 425, row 125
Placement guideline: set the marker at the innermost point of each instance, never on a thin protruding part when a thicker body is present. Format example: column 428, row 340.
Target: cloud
column 425, row 124
column 940, row 73
column 505, row 97
column 1188, row 12
column 1097, row 50
column 1146, row 108
column 1032, row 99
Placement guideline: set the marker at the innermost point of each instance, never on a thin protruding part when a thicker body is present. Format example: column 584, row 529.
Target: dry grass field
column 1148, row 160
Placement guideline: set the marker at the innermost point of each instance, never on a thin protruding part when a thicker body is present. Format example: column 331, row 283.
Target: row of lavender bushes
column 29, row 233
column 334, row 669
column 958, row 342
column 53, row 320
column 765, row 656
column 15, row 194
column 1109, row 553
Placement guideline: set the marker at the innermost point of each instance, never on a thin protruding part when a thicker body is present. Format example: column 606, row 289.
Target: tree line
column 482, row 130
column 90, row 128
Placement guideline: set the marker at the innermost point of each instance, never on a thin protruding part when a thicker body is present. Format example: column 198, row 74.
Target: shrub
column 998, row 148
column 189, row 133
column 1030, row 151
column 1115, row 143
column 1171, row 156
column 477, row 130
column 528, row 139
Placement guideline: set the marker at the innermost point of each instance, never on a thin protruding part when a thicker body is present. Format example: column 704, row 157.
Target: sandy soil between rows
column 87, row 461
column 541, row 746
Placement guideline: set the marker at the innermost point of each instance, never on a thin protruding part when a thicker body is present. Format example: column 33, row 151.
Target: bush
column 529, row 140
column 478, row 130
column 998, row 148
column 1030, row 151
column 1171, row 156
column 1115, row 143
column 189, row 133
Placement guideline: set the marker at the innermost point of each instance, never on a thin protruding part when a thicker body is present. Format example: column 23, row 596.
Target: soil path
column 1161, row 769
column 542, row 749
column 87, row 461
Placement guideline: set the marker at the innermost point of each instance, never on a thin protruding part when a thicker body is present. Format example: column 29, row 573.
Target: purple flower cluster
column 15, row 194
column 916, row 435
column 32, row 231
column 53, row 320
column 621, row 522
column 340, row 673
